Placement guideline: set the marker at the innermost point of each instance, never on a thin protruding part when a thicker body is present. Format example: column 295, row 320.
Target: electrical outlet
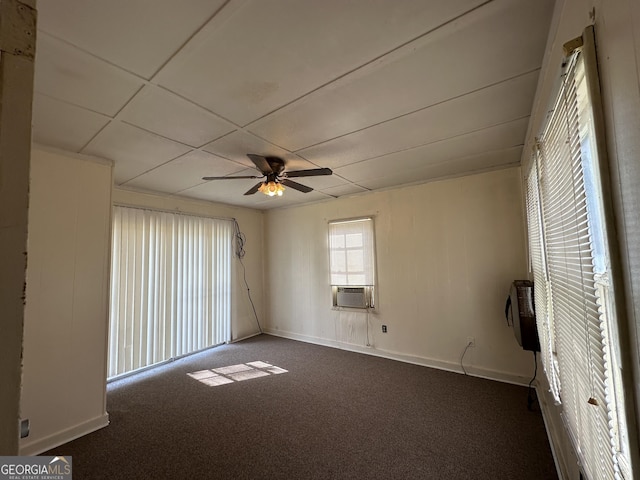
column 384, row 329
column 24, row 428
column 471, row 341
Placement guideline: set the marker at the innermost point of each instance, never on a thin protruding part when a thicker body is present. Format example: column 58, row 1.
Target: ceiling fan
column 272, row 169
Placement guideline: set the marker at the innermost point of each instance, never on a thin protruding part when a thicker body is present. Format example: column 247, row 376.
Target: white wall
column 18, row 27
column 243, row 321
column 66, row 317
column 617, row 30
column 64, row 370
column 447, row 252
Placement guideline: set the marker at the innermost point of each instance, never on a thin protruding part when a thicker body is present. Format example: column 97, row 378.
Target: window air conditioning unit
column 353, row 297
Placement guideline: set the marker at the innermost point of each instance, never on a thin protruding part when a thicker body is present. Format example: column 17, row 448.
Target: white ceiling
column 384, row 92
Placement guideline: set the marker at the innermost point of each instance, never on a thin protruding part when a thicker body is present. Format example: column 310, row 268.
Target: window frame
column 610, row 456
column 170, row 286
column 369, row 260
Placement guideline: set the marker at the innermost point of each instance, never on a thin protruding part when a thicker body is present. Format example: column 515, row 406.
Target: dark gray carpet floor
column 333, row 415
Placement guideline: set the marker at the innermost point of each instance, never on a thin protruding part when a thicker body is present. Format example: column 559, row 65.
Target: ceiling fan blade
column 260, row 163
column 229, row 178
column 253, row 189
column 296, row 185
column 313, row 172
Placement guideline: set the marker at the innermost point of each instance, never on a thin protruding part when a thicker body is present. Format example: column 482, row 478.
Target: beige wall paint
column 617, row 30
column 64, row 373
column 66, row 318
column 243, row 321
column 447, row 252
column 17, row 50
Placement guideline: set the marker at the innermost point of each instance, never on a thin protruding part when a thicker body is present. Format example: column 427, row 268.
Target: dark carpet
column 333, row 415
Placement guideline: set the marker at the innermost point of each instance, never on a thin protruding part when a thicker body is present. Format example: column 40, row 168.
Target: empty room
column 271, row 239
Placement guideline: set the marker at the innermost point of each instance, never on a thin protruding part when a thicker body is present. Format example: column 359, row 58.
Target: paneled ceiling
column 384, row 92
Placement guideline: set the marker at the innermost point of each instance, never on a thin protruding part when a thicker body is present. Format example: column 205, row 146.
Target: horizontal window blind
column 351, row 251
column 569, row 262
column 170, row 286
column 575, row 305
column 540, row 280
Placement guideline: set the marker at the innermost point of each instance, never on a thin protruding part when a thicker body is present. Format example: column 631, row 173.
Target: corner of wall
column 66, row 312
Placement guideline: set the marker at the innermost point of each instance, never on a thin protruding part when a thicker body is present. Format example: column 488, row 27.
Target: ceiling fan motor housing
column 276, row 163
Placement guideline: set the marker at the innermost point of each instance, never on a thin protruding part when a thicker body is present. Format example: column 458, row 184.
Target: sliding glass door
column 170, row 286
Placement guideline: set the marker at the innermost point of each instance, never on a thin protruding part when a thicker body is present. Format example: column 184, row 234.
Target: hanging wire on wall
column 240, row 239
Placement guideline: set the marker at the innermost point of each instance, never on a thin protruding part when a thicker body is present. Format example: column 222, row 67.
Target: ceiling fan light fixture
column 271, row 188
column 274, row 175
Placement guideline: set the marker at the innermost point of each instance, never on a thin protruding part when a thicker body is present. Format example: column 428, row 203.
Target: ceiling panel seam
column 379, row 59
column 465, row 172
column 157, row 166
column 416, row 147
column 451, row 99
column 292, row 153
column 93, row 55
column 67, row 102
column 403, row 49
column 112, row 119
column 144, row 82
column 193, row 34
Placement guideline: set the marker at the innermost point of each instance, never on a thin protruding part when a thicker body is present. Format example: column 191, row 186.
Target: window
column 352, row 260
column 170, row 286
column 572, row 268
column 541, row 283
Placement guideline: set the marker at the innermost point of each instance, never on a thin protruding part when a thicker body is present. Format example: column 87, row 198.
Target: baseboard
column 246, row 337
column 36, row 447
column 564, row 456
column 551, row 434
column 416, row 360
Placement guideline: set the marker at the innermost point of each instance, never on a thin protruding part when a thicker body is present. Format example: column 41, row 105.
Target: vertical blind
column 570, row 268
column 351, row 251
column 170, row 286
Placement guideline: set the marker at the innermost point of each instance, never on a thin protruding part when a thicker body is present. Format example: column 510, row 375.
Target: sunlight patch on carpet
column 232, row 369
column 236, row 373
column 215, row 381
column 276, row 370
column 259, row 364
column 240, row 376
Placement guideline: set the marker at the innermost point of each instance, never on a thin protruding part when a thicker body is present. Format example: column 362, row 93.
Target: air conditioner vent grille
column 358, row 290
column 353, row 297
